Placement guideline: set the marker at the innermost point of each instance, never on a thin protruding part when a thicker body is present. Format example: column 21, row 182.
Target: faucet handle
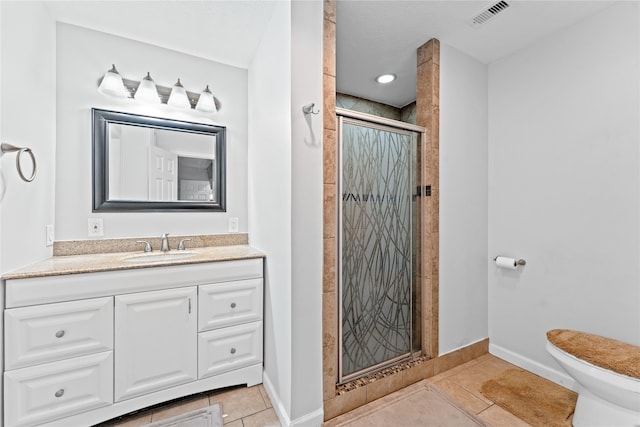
column 181, row 244
column 147, row 245
column 164, row 244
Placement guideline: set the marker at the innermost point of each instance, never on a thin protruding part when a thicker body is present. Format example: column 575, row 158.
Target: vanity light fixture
column 206, row 103
column 178, row 97
column 386, row 78
column 147, row 91
column 114, row 85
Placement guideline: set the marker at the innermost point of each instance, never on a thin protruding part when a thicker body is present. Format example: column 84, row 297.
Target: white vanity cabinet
column 80, row 349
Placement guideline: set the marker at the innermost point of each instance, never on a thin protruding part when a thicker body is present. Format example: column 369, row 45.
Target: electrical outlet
column 96, row 228
column 234, row 225
column 50, row 235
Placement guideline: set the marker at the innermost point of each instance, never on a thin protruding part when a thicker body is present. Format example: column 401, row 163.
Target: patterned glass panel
column 376, row 240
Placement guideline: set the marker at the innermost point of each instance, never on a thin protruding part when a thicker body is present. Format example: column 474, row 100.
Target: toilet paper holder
column 519, row 261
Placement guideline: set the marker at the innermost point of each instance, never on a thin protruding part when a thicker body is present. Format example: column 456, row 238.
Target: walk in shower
column 379, row 242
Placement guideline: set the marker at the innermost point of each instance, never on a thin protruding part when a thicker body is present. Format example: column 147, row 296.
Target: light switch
column 50, row 235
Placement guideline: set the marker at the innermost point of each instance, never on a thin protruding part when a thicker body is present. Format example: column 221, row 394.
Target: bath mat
column 206, row 417
column 417, row 405
column 531, row 398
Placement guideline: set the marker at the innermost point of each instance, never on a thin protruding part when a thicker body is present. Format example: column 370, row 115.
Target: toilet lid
column 606, row 353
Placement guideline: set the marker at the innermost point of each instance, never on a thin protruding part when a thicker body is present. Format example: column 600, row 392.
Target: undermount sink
column 167, row 256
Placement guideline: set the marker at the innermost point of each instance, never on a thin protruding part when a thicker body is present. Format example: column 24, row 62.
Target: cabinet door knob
column 233, row 305
column 233, row 350
column 60, row 333
column 59, row 393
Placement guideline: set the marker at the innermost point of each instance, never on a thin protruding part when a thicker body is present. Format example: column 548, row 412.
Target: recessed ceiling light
column 386, row 78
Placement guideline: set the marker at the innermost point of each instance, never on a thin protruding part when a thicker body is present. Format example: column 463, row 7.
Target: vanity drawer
column 50, row 332
column 226, row 349
column 231, row 303
column 44, row 393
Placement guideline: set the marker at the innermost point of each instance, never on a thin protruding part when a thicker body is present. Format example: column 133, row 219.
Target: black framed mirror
column 151, row 164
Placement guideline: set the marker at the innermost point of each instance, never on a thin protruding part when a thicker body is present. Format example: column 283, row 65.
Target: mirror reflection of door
column 128, row 160
column 163, row 179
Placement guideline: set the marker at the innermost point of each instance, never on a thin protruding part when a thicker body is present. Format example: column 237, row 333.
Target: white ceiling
column 223, row 31
column 373, row 36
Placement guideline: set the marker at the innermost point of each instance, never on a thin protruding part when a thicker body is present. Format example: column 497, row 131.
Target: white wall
column 27, row 118
column 285, row 206
column 463, row 200
column 564, row 126
column 270, row 196
column 83, row 56
column 306, row 215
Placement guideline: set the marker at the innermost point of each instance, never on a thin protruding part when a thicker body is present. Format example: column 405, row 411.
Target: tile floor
column 251, row 407
column 463, row 383
column 241, row 407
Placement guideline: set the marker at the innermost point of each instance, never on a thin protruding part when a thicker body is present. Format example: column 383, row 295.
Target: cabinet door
column 155, row 341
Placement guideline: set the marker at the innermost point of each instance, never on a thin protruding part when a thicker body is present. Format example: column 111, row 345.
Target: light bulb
column 206, row 103
column 386, row 78
column 112, row 84
column 147, row 91
column 178, row 97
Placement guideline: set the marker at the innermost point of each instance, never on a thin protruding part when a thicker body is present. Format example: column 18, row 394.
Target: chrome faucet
column 164, row 247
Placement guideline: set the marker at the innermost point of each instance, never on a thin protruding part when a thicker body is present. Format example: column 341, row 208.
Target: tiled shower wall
column 425, row 112
column 405, row 114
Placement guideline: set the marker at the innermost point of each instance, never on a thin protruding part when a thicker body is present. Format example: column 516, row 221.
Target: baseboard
column 281, row 412
column 314, row 418
column 464, row 347
column 537, row 368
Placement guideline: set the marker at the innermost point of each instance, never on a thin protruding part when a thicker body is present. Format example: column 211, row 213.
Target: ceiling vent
column 488, row 13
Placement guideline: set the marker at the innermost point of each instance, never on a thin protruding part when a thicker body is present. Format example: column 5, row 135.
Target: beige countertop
column 91, row 263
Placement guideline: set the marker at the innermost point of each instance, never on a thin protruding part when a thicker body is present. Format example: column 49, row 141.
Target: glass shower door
column 377, row 209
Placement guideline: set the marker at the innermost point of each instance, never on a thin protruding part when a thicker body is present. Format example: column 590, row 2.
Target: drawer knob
column 60, row 334
column 233, row 305
column 59, row 393
column 233, row 350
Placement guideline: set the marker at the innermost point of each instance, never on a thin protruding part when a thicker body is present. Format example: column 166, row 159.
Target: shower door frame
column 389, row 125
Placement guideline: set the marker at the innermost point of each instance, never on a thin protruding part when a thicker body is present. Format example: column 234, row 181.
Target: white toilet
column 606, row 398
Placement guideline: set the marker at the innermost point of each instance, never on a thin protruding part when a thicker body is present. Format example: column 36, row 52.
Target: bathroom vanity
column 88, row 338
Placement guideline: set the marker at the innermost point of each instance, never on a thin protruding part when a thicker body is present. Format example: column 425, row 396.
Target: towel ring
column 8, row 148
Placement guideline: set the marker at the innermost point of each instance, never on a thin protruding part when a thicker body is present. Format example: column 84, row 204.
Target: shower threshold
column 383, row 372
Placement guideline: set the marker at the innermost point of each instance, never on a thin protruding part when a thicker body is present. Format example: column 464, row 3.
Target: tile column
column 428, row 116
column 329, row 279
